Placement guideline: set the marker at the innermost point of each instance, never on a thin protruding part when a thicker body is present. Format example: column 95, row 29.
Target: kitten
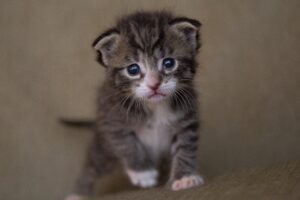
column 147, row 106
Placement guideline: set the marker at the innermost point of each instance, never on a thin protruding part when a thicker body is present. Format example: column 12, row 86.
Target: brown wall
column 249, row 85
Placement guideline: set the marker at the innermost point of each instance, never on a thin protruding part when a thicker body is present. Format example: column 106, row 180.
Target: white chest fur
column 158, row 131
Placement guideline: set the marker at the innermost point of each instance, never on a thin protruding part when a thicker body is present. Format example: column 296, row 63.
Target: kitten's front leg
column 137, row 163
column 184, row 158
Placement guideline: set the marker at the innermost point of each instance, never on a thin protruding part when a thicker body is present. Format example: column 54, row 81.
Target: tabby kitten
column 147, row 106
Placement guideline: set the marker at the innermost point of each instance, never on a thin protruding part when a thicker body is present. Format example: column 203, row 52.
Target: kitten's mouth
column 156, row 96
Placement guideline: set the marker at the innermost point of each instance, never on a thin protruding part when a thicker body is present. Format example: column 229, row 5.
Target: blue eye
column 168, row 63
column 133, row 69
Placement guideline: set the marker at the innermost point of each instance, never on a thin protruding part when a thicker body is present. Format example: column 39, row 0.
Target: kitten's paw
column 187, row 182
column 143, row 179
column 74, row 197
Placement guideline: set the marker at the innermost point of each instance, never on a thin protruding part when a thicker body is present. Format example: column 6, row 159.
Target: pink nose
column 154, row 86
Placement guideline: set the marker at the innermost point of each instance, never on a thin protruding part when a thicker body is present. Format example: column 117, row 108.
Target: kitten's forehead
column 144, row 31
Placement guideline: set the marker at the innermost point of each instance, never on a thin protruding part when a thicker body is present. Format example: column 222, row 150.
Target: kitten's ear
column 106, row 45
column 188, row 29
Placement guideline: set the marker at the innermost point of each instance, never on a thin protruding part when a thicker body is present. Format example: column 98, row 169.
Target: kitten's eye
column 133, row 69
column 168, row 63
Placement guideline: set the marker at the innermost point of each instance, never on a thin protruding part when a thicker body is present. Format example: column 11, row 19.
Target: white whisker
column 192, row 98
column 184, row 94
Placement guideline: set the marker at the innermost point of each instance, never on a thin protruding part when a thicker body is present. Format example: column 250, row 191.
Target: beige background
column 249, row 85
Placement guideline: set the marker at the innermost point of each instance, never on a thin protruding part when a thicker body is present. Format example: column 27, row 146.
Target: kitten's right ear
column 187, row 29
column 106, row 45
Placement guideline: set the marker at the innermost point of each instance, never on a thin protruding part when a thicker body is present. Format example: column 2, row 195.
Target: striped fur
column 135, row 132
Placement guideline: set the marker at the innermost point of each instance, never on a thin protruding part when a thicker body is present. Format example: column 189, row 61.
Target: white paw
column 74, row 197
column 143, row 179
column 187, row 182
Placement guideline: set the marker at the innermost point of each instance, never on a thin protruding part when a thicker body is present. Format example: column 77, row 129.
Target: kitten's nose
column 154, row 86
column 153, row 80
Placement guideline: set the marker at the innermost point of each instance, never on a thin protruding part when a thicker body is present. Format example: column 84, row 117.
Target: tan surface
column 277, row 183
column 249, row 80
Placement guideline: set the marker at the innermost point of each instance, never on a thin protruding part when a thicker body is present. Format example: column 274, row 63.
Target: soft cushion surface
column 281, row 182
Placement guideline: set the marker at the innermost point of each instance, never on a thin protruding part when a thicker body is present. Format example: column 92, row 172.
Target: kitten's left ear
column 188, row 29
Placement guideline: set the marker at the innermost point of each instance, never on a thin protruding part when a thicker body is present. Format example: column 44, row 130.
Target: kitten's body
column 139, row 124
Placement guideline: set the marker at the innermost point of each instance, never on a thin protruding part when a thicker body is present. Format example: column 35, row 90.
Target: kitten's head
column 150, row 55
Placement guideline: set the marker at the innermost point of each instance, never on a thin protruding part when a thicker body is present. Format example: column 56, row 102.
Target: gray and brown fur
column 124, row 125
